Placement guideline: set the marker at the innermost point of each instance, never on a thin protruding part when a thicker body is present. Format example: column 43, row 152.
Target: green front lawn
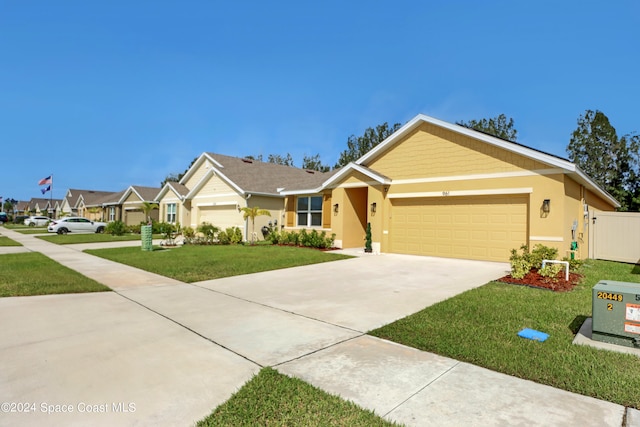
column 273, row 399
column 193, row 263
column 480, row 327
column 5, row 241
column 32, row 273
column 69, row 239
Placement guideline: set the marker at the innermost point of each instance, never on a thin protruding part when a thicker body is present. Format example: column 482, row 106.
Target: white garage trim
column 488, row 192
column 479, row 176
column 221, row 195
column 216, row 204
column 547, row 238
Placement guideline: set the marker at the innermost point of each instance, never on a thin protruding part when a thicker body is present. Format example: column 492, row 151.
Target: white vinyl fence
column 615, row 236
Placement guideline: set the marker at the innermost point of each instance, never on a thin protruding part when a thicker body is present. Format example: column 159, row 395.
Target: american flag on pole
column 46, row 181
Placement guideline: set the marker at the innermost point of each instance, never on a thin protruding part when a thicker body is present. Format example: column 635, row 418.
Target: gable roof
column 567, row 166
column 145, row 194
column 178, row 189
column 89, row 197
column 252, row 176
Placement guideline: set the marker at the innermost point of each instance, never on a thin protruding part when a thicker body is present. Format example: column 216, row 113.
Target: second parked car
column 36, row 221
column 75, row 224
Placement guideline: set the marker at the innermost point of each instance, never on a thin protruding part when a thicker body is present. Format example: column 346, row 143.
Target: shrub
column 520, row 264
column 224, row 238
column 304, row 238
column 209, row 233
column 135, row 229
column 234, row 234
column 574, row 264
column 541, row 252
column 116, row 228
column 551, row 270
column 189, row 235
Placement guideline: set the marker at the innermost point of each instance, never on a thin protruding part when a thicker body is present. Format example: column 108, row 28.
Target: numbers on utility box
column 609, row 296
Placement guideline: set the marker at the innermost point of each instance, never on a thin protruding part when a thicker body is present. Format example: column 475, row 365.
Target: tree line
column 612, row 161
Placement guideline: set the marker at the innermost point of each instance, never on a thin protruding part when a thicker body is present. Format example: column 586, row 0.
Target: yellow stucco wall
column 197, row 175
column 431, row 151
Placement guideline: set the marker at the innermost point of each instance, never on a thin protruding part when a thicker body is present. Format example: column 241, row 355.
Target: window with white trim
column 112, row 213
column 309, row 211
column 171, row 213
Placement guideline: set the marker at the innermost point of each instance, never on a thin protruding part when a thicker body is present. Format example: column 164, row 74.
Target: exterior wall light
column 546, row 206
column 373, row 207
column 335, row 208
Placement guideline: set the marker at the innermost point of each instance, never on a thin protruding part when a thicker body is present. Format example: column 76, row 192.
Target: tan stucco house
column 216, row 187
column 439, row 189
column 77, row 202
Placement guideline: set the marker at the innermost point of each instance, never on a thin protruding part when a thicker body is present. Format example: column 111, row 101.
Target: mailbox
column 616, row 313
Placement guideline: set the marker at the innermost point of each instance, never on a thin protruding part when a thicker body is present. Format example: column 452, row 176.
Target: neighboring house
column 131, row 203
column 40, row 206
column 438, row 189
column 217, row 187
column 76, row 202
column 174, row 208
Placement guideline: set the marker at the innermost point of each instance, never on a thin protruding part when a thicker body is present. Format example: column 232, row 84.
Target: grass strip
column 274, row 399
column 5, row 241
column 32, row 273
column 480, row 326
column 71, row 238
column 193, row 263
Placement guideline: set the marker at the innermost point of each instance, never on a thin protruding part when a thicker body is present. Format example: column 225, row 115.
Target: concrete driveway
column 176, row 351
column 161, row 352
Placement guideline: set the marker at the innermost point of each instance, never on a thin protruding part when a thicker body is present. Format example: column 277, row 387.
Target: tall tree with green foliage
column 314, row 163
column 358, row 146
column 499, row 126
column 252, row 213
column 611, row 161
column 280, row 160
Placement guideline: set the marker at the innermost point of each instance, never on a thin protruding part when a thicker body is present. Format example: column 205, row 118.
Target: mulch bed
column 535, row 280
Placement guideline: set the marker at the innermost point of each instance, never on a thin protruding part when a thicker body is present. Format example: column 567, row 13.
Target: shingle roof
column 147, row 193
column 89, row 196
column 261, row 177
column 178, row 188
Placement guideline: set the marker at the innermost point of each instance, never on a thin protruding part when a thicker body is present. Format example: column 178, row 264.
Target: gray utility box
column 616, row 313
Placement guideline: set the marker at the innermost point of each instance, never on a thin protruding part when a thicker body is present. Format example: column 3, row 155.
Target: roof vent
column 247, row 160
column 310, row 171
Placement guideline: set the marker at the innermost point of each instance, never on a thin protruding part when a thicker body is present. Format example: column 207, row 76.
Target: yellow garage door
column 483, row 228
column 221, row 216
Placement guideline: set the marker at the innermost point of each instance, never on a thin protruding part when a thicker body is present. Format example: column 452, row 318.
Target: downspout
column 246, row 221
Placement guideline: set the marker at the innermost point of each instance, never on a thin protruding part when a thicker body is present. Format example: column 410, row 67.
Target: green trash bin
column 147, row 237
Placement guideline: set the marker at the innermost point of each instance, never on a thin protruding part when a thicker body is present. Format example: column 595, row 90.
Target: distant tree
column 176, row 177
column 257, row 158
column 498, row 126
column 314, row 163
column 280, row 160
column 611, row 161
column 358, row 146
column 252, row 213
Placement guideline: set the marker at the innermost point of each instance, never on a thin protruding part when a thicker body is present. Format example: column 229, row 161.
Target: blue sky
column 104, row 95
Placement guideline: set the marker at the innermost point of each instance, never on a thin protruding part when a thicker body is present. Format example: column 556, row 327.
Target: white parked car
column 36, row 221
column 75, row 224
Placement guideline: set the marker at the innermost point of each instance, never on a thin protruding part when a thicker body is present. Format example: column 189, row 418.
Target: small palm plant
column 252, row 213
column 147, row 207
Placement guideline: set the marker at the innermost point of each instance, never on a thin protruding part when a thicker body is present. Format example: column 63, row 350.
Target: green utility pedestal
column 147, row 237
column 616, row 313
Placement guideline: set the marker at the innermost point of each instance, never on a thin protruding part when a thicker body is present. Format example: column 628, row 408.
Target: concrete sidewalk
column 176, row 351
